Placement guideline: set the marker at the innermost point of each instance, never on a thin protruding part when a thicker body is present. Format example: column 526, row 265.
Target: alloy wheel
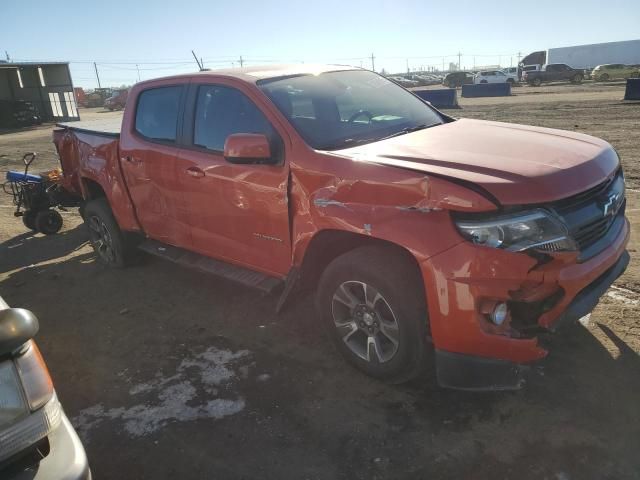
column 101, row 239
column 365, row 321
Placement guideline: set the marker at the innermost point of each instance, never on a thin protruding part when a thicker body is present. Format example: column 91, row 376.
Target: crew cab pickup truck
column 460, row 243
column 553, row 72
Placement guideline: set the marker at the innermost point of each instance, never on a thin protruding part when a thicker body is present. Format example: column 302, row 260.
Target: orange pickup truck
column 428, row 240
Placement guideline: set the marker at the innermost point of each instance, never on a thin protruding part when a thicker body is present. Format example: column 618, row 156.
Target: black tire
column 48, row 222
column 536, row 82
column 29, row 219
column 395, row 276
column 111, row 245
column 577, row 78
column 511, row 81
column 604, row 77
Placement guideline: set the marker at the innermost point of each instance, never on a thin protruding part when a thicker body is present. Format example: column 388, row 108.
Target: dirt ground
column 167, row 373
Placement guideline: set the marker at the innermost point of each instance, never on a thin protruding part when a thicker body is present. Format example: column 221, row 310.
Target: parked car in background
column 37, row 441
column 493, row 76
column 512, row 72
column 117, row 100
column 399, row 217
column 529, row 68
column 457, row 79
column 424, row 79
column 96, row 97
column 553, row 72
column 405, row 82
column 615, row 71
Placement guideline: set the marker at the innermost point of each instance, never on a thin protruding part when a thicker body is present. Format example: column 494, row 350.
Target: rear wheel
column 108, row 241
column 48, row 222
column 577, row 78
column 371, row 301
column 536, row 82
column 604, row 77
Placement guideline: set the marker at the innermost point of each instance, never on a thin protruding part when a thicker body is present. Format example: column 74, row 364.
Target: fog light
column 499, row 313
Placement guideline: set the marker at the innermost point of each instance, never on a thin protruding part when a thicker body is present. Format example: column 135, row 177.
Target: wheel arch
column 327, row 245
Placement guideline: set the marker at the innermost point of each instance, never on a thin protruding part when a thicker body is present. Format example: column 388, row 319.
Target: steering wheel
column 360, row 113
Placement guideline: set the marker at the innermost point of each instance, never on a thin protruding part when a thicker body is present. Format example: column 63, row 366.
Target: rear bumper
column 66, row 460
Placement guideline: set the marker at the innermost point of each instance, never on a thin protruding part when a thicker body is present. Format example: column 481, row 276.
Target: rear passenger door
column 236, row 212
column 148, row 157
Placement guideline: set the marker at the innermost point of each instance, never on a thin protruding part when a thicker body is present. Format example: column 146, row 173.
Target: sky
column 132, row 40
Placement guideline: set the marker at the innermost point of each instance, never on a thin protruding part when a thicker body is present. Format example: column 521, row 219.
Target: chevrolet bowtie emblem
column 608, row 206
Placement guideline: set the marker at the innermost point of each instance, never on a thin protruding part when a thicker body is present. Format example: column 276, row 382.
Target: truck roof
column 261, row 72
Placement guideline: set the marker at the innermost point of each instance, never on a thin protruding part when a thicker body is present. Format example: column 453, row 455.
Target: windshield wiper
column 406, row 130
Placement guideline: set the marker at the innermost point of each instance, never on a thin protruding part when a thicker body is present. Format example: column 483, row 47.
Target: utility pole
column 95, row 66
column 407, row 66
column 138, row 70
column 373, row 63
column 459, row 61
column 241, row 62
column 6, row 54
column 196, row 59
column 519, row 55
column 443, row 64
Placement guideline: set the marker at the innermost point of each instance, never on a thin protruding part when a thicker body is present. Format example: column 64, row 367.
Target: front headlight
column 518, row 232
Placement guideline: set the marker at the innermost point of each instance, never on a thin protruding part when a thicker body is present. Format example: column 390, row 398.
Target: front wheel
column 108, row 241
column 371, row 301
column 536, row 82
column 577, row 78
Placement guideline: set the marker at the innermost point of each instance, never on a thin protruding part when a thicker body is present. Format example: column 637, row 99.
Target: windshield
column 337, row 110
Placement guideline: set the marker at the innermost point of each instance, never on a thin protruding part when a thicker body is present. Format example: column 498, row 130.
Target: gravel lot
column 167, row 373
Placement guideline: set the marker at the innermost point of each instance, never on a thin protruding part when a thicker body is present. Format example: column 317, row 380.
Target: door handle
column 195, row 172
column 132, row 159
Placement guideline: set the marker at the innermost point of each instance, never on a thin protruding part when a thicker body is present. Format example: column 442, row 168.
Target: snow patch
column 192, row 393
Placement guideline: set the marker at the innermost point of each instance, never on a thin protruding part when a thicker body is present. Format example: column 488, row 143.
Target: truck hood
column 516, row 164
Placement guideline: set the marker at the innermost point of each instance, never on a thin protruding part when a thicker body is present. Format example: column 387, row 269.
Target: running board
column 205, row 264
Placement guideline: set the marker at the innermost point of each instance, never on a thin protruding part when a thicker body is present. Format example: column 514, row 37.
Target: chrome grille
column 590, row 214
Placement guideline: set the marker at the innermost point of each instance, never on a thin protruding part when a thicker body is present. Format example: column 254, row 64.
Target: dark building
column 32, row 93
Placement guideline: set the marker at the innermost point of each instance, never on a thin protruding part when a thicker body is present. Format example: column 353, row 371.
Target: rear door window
column 157, row 113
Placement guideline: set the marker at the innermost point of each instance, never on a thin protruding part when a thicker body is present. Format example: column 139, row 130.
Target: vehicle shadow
column 31, row 248
column 104, row 330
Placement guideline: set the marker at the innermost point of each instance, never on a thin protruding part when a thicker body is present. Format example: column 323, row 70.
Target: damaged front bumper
column 472, row 353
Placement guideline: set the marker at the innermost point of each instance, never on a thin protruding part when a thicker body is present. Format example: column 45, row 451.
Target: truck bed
column 109, row 127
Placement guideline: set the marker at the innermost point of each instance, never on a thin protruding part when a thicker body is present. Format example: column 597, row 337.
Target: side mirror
column 244, row 148
column 17, row 326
